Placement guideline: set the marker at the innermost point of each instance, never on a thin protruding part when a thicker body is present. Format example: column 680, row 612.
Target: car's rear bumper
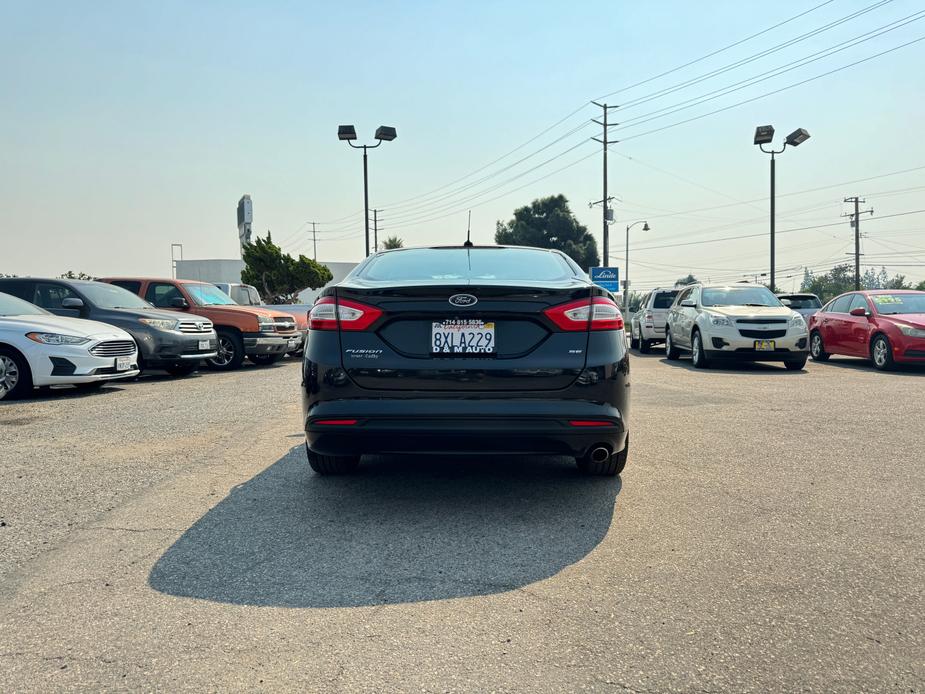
column 528, row 426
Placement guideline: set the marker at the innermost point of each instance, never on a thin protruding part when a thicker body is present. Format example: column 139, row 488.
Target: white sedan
column 38, row 348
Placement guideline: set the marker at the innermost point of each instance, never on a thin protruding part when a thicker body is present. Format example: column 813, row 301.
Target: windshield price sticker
column 886, row 299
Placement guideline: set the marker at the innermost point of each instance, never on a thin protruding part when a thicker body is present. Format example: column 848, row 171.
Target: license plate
column 294, row 342
column 765, row 345
column 462, row 337
column 123, row 363
column 203, row 345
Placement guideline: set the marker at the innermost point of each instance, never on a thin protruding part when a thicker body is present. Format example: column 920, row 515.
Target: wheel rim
column 9, row 375
column 880, row 351
column 696, row 347
column 225, row 352
column 817, row 345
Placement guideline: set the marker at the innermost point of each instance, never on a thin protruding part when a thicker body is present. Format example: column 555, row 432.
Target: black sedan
column 495, row 350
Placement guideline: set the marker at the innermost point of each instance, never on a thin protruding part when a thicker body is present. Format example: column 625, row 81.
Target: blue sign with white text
column 606, row 277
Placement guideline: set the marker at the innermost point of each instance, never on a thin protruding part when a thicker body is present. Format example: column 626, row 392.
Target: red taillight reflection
column 336, row 422
column 597, row 313
column 588, row 423
column 327, row 313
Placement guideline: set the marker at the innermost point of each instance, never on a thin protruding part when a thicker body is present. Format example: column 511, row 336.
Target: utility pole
column 856, row 223
column 375, row 231
column 314, row 243
column 607, row 213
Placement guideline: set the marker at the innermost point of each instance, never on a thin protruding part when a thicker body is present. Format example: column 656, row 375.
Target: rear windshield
column 453, row 264
column 664, row 299
column 898, row 304
column 803, row 301
column 739, row 296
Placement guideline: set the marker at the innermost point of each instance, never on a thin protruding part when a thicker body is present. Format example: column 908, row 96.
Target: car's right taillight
column 351, row 315
column 598, row 313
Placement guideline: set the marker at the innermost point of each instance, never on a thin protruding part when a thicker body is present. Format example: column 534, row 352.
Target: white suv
column 647, row 325
column 741, row 322
column 41, row 349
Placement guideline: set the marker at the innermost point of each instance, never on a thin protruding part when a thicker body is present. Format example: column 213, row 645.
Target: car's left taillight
column 597, row 313
column 351, row 315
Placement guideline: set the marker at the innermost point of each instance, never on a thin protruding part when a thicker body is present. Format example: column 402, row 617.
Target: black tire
column 610, row 467
column 332, row 464
column 881, row 353
column 817, row 347
column 634, row 341
column 230, row 351
column 265, row 359
column 671, row 352
column 15, row 375
column 796, row 364
column 183, row 368
column 645, row 346
column 698, row 354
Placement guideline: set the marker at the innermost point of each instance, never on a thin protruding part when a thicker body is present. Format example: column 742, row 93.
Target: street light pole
column 384, row 133
column 764, row 134
column 626, row 262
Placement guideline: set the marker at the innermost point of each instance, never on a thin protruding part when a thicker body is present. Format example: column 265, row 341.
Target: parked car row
column 746, row 322
column 60, row 331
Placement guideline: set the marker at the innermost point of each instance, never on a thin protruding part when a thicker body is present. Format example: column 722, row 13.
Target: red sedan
column 886, row 326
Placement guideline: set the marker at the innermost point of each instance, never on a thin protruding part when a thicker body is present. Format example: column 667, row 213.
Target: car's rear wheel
column 817, row 347
column 15, row 375
column 332, row 464
column 881, row 353
column 265, row 359
column 182, row 369
column 604, row 466
column 671, row 352
column 634, row 339
column 795, row 364
column 645, row 346
column 698, row 355
column 230, row 352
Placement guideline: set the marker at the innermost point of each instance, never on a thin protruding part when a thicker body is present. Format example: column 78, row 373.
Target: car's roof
column 889, row 291
column 152, row 279
column 806, row 294
column 51, row 279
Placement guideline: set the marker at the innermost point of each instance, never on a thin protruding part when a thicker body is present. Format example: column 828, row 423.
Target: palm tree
column 392, row 242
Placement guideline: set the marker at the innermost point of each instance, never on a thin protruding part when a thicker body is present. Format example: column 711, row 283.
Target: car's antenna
column 468, row 243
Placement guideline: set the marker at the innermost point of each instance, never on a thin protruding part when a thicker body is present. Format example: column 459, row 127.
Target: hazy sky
column 130, row 126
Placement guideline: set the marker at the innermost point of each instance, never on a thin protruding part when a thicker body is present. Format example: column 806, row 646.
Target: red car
column 886, row 326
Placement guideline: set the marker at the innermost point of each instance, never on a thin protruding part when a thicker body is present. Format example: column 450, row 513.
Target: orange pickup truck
column 261, row 334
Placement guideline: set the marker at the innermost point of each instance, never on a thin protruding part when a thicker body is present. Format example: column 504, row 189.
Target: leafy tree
column 393, row 242
column 921, row 286
column 690, row 279
column 3, row 274
column 840, row 279
column 278, row 275
column 71, row 275
column 549, row 223
column 632, row 302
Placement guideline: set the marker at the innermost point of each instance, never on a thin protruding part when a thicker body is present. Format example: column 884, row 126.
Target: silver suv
column 647, row 325
column 743, row 322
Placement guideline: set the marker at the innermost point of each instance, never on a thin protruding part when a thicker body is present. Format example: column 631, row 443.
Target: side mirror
column 179, row 302
column 859, row 311
column 72, row 302
column 689, row 303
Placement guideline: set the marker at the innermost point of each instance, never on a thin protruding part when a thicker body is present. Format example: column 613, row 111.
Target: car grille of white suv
column 113, row 348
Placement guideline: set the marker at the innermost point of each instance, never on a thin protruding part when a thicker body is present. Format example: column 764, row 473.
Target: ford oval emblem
column 463, row 300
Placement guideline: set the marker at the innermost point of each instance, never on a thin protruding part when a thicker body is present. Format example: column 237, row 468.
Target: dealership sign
column 606, row 277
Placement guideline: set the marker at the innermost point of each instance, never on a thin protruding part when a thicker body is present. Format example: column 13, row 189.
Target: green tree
column 632, row 301
column 71, row 275
column 921, row 286
column 278, row 275
column 549, row 223
column 393, row 242
column 690, row 279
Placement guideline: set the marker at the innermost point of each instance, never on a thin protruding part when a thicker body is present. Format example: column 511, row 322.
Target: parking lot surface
column 767, row 535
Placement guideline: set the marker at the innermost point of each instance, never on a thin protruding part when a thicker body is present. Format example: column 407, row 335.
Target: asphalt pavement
column 766, row 535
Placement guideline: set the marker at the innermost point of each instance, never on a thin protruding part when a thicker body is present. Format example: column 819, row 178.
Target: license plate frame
column 765, row 345
column 455, row 337
column 123, row 364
